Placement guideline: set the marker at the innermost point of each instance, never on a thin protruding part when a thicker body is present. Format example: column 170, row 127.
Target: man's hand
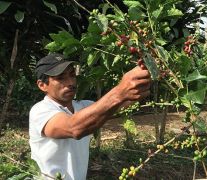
column 135, row 85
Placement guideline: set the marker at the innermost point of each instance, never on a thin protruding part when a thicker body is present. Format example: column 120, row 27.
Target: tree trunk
column 205, row 45
column 11, row 83
column 129, row 139
column 155, row 93
column 163, row 120
column 98, row 137
column 3, row 114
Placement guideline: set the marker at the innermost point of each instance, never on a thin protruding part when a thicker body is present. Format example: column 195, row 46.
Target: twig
column 194, row 171
column 19, row 163
column 82, row 6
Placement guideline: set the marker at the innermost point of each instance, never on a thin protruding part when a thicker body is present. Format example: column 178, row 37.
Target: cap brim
column 57, row 70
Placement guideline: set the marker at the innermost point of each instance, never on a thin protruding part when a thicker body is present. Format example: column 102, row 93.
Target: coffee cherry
column 149, row 151
column 119, row 43
column 142, row 66
column 58, row 175
column 140, row 61
column 190, row 37
column 123, row 36
column 140, row 31
column 132, row 49
column 164, row 73
column 132, row 22
column 123, row 40
column 128, row 37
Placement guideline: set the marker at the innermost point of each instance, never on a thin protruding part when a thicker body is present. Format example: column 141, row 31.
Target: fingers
column 141, row 73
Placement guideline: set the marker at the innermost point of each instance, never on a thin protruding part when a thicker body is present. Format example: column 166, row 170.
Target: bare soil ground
column 106, row 166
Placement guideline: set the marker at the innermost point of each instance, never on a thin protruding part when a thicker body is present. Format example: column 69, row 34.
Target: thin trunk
column 98, row 138
column 155, row 93
column 205, row 45
column 4, row 112
column 11, row 83
column 163, row 120
column 129, row 139
column 78, row 69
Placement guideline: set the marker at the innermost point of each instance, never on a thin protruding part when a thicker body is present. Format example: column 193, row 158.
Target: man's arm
column 133, row 87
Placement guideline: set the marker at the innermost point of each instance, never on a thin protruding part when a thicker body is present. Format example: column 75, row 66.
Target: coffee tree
column 144, row 36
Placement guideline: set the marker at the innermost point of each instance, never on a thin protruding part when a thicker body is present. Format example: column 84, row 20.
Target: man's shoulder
column 43, row 105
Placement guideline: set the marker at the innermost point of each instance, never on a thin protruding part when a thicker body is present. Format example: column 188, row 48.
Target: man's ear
column 42, row 86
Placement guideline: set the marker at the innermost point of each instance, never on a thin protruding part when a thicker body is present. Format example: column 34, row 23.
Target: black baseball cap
column 51, row 65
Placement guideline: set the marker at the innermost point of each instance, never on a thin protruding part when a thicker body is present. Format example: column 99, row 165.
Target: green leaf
column 173, row 22
column 151, row 66
column 197, row 96
column 156, row 15
column 185, row 32
column 34, row 168
column 19, row 16
column 200, row 125
column 132, row 4
column 136, row 14
column 91, row 39
column 184, row 63
column 94, row 28
column 93, row 58
column 51, row 6
column 105, row 8
column 98, row 71
column 53, row 46
column 70, row 42
column 18, row 177
column 3, row 6
column 160, row 41
column 102, row 21
column 176, row 32
column 182, row 96
column 116, row 60
column 83, row 88
column 70, row 50
column 162, row 52
column 173, row 13
column 129, row 125
column 195, row 76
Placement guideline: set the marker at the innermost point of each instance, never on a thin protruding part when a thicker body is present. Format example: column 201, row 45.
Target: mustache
column 71, row 88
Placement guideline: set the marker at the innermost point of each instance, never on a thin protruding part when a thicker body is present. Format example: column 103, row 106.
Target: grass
column 107, row 162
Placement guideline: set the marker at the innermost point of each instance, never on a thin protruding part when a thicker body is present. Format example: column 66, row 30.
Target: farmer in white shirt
column 60, row 127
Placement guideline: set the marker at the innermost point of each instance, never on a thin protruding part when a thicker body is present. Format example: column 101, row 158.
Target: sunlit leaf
column 184, row 63
column 195, row 76
column 19, row 16
column 51, row 6
column 102, row 21
column 129, row 125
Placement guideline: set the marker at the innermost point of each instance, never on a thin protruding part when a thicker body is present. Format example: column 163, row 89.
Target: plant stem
column 82, row 6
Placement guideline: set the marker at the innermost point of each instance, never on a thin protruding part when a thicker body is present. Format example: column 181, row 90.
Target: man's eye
column 60, row 78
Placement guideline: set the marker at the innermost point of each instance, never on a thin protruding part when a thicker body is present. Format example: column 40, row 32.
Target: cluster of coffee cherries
column 126, row 111
column 190, row 142
column 188, row 45
column 161, row 147
column 128, row 173
column 199, row 155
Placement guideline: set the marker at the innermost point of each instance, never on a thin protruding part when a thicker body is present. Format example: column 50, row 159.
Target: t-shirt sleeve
column 40, row 115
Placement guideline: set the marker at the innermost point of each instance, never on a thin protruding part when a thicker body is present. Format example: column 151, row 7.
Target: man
column 60, row 127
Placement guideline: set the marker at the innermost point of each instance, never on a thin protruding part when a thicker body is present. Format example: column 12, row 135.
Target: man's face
column 62, row 88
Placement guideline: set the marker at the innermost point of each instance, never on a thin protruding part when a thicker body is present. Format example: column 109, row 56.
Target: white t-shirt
column 66, row 156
